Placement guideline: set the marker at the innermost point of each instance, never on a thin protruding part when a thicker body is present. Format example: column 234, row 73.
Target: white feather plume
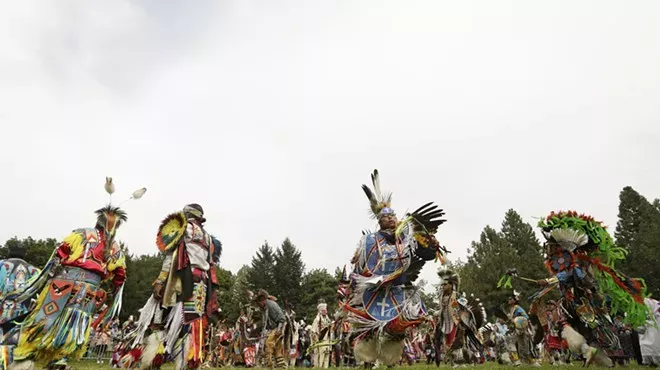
column 570, row 239
column 375, row 179
column 109, row 186
column 138, row 193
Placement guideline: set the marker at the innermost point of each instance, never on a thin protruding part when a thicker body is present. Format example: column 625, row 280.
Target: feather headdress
column 378, row 201
column 582, row 232
column 450, row 276
column 110, row 217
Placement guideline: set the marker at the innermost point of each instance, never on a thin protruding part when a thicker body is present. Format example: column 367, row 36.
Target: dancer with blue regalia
column 383, row 301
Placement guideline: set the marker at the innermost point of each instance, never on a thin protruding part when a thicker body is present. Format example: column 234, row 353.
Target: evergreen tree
column 490, row 257
column 287, row 273
column 516, row 246
column 638, row 231
column 141, row 271
column 339, row 271
column 261, row 274
column 529, row 259
column 634, row 211
column 38, row 252
column 317, row 284
column 238, row 292
column 224, row 291
column 430, row 299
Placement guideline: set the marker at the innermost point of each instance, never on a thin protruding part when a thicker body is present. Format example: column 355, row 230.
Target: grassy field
column 92, row 365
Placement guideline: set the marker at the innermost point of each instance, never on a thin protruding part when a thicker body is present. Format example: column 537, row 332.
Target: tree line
column 282, row 272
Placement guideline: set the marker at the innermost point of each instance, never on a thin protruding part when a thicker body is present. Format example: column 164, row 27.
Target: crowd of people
column 585, row 311
column 322, row 343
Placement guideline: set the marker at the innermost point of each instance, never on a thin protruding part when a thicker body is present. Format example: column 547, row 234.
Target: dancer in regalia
column 551, row 317
column 14, row 275
column 524, row 331
column 321, row 336
column 59, row 326
column 183, row 300
column 274, row 327
column 458, row 323
column 383, row 301
column 582, row 258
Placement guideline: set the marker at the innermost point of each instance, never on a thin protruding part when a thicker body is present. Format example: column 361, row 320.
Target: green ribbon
column 505, row 281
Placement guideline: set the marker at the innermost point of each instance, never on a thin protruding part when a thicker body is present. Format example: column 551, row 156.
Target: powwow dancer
column 342, row 326
column 582, row 258
column 14, row 275
column 523, row 330
column 552, row 318
column 384, row 302
column 245, row 341
column 291, row 334
column 457, row 323
column 274, row 325
column 183, row 293
column 649, row 337
column 59, row 326
column 321, row 336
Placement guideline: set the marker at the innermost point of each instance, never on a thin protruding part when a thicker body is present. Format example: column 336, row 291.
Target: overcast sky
column 271, row 114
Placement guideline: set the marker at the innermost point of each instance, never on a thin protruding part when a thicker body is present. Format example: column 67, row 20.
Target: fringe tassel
column 36, row 283
column 69, row 331
column 147, row 314
column 6, row 356
column 173, row 326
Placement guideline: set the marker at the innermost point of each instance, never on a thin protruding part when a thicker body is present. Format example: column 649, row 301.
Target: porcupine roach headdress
column 450, row 276
column 590, row 241
column 379, row 203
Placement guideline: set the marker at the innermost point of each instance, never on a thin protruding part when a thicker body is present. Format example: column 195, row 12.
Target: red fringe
column 606, row 269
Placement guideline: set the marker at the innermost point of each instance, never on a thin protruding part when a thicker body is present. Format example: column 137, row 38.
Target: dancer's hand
column 158, row 290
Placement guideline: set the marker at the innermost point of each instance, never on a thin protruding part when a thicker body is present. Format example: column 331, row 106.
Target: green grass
column 92, row 365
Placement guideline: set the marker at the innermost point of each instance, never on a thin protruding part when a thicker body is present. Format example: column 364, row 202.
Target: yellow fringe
column 117, row 263
column 34, row 342
column 76, row 242
column 27, row 342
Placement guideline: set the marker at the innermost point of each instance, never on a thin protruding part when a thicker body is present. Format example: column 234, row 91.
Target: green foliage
column 317, row 284
column 638, row 231
column 37, row 251
column 261, row 273
column 431, row 300
column 141, row 271
column 516, row 246
column 224, row 292
column 287, row 273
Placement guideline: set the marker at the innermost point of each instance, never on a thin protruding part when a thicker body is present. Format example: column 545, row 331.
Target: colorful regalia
column 523, row 331
column 69, row 294
column 14, row 276
column 184, row 299
column 244, row 344
column 552, row 318
column 274, row 330
column 582, row 257
column 457, row 322
column 321, row 337
column 342, row 327
column 383, row 300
